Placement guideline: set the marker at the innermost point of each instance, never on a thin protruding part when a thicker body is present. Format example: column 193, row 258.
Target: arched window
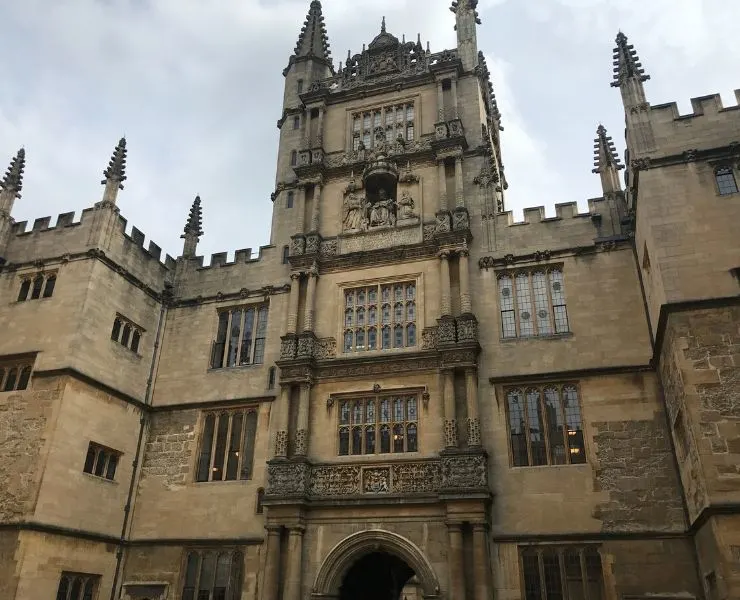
column 726, row 182
column 286, row 254
column 116, row 331
column 271, row 378
column 49, row 287
column 25, row 288
column 38, row 283
column 293, row 158
column 135, row 339
column 10, row 380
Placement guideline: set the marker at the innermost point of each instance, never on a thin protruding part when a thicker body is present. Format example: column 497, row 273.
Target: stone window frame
column 725, row 183
column 543, row 566
column 127, row 333
column 570, row 441
column 257, row 341
column 515, row 308
column 406, row 421
column 77, row 586
column 195, row 568
column 101, row 461
column 367, row 128
column 289, row 199
column 219, row 448
column 16, row 373
column 415, row 279
column 37, row 286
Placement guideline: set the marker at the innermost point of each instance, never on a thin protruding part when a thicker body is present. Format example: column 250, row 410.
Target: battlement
column 152, row 251
column 702, row 106
column 220, row 259
column 563, row 211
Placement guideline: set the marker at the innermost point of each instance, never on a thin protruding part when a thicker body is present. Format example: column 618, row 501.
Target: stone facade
column 404, row 381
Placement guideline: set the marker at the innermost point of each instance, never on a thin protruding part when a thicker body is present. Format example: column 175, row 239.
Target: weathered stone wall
column 26, row 422
column 718, row 552
column 169, row 447
column 8, row 563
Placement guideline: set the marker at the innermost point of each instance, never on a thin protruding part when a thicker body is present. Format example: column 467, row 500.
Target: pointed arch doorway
column 375, row 565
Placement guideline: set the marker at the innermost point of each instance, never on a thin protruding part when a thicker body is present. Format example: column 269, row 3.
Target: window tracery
column 392, row 122
column 101, row 461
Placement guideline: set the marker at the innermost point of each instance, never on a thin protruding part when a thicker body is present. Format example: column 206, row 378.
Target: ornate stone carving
column 458, row 357
column 429, row 338
column 443, row 222
column 313, row 243
column 473, row 432
column 354, row 215
column 455, row 128
column 451, row 433
column 440, row 131
column 429, row 232
column 460, row 219
column 288, row 347
column 446, row 332
column 488, row 176
column 305, row 346
column 376, row 480
column 281, row 443
column 406, row 207
column 641, row 164
column 542, row 255
column 328, row 248
column 690, row 155
column 301, row 442
column 352, row 369
column 466, row 471
column 379, row 239
column 298, row 245
column 414, row 478
column 382, row 211
column 408, row 176
column 335, row 481
column 325, row 348
column 467, row 330
column 287, row 478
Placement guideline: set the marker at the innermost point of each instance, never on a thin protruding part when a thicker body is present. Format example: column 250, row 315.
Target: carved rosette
column 281, row 443
column 451, row 433
column 464, row 472
column 473, row 432
column 301, row 442
column 287, row 479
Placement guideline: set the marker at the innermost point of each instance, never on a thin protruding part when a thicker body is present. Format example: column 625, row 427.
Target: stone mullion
column 442, row 185
column 214, row 444
column 453, row 85
column 550, row 302
column 456, row 559
column 444, row 264
column 242, row 322
column 227, row 446
column 525, row 405
column 295, row 280
column 545, row 423
column 272, row 563
column 471, row 388
column 561, row 396
column 515, row 304
column 240, row 448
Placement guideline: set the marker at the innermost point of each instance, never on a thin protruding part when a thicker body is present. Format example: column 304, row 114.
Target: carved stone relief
column 376, row 480
column 464, row 471
column 335, row 481
column 325, row 348
column 383, row 238
column 429, row 338
column 287, row 479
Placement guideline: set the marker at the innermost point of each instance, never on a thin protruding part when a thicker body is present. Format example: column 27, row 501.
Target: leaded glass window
column 726, row 182
column 562, row 573
column 532, row 303
column 227, row 446
column 379, row 425
column 396, row 121
column 213, row 575
column 240, row 337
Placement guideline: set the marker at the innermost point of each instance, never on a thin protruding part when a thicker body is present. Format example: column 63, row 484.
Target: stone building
column 406, row 394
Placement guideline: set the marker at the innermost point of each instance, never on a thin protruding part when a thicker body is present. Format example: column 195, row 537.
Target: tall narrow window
column 116, row 331
column 25, row 288
column 259, row 508
column 296, row 122
column 545, row 426
column 289, row 200
column 286, row 254
column 271, row 378
column 213, row 575
column 39, row 286
column 532, row 303
column 38, row 283
column 101, row 461
column 378, row 424
column 568, row 572
column 293, row 158
column 15, row 374
column 240, row 337
column 726, row 182
column 51, row 281
column 299, row 86
column 227, row 446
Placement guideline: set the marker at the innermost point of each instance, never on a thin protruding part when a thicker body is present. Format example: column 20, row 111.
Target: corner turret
column 606, row 162
column 466, row 19
column 115, row 174
column 193, row 230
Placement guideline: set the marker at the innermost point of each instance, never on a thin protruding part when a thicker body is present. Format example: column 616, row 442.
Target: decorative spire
column 12, row 182
column 627, row 64
column 115, row 174
column 313, row 39
column 382, row 25
column 193, row 229
column 606, row 161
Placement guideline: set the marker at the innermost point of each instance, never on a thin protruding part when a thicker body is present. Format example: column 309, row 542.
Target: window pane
column 250, row 433
column 116, row 331
column 63, row 588
column 23, row 379
column 398, row 412
column 207, row 571
column 357, row 440
column 246, row 351
column 343, row 441
column 87, row 593
column 531, row 568
column 506, row 302
column 411, row 439
column 135, row 339
column 360, row 339
column 573, row 575
column 385, row 439
column 49, row 287
column 357, row 413
column 220, row 345
column 553, row 582
column 23, row 294
column 289, row 200
column 577, row 449
column 411, row 335
column 554, row 414
column 223, row 570
column 74, row 592
column 398, row 336
column 100, row 463
column 536, row 434
column 235, row 585
column 344, row 413
column 89, row 460
column 398, row 438
column 232, row 459
column 110, row 471
column 191, row 576
column 38, row 282
column 126, row 335
column 385, row 411
column 370, row 440
column 524, row 305
column 218, row 459
column 204, row 460
column 259, row 344
column 726, row 183
column 517, row 429
column 541, row 303
column 372, row 339
column 557, row 290
column 236, row 321
column 10, row 380
column 411, row 405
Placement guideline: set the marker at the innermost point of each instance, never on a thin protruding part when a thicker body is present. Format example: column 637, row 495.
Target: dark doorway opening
column 376, row 576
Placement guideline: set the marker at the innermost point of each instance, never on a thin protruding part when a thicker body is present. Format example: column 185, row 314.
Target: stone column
column 456, row 560
column 444, row 275
column 471, row 394
column 316, row 208
column 465, row 305
column 440, row 103
column 301, row 434
column 453, row 83
column 272, row 564
column 313, row 275
column 459, row 192
column 282, row 417
column 292, row 583
column 480, row 562
column 442, row 185
column 449, row 404
column 295, row 284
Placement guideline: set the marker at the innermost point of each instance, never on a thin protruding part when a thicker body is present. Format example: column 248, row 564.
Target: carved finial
column 116, row 171
column 627, row 64
column 606, row 162
column 12, row 182
column 382, row 26
column 193, row 229
column 313, row 39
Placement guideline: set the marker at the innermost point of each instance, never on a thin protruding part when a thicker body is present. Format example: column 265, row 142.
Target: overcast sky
column 196, row 86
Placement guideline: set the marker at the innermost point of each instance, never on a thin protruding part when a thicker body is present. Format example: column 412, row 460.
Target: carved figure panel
column 335, row 481
column 376, row 480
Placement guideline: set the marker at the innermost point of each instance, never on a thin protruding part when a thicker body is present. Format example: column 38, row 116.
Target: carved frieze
column 305, row 346
column 281, row 443
column 444, row 224
column 337, row 480
column 429, row 337
column 352, row 368
column 325, row 348
column 288, row 348
column 467, row 330
column 380, row 238
column 429, row 232
column 446, row 331
column 460, row 219
column 465, row 471
column 415, row 478
column 298, row 245
column 376, row 480
column 287, row 478
column 313, row 243
column 328, row 248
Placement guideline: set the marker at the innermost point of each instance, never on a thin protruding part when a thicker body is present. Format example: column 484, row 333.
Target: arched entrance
column 376, row 576
column 376, row 565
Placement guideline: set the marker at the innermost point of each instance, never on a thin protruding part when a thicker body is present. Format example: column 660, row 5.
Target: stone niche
column 383, row 210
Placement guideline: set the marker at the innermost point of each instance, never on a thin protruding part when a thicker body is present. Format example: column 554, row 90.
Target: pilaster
column 456, row 560
column 471, row 393
column 444, row 275
column 292, row 589
column 450, row 425
column 272, row 564
column 301, row 434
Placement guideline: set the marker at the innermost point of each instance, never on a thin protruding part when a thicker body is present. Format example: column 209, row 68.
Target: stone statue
column 355, row 211
column 382, row 211
column 406, row 206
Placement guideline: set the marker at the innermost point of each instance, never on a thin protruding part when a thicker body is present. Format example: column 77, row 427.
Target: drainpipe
column 166, row 295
